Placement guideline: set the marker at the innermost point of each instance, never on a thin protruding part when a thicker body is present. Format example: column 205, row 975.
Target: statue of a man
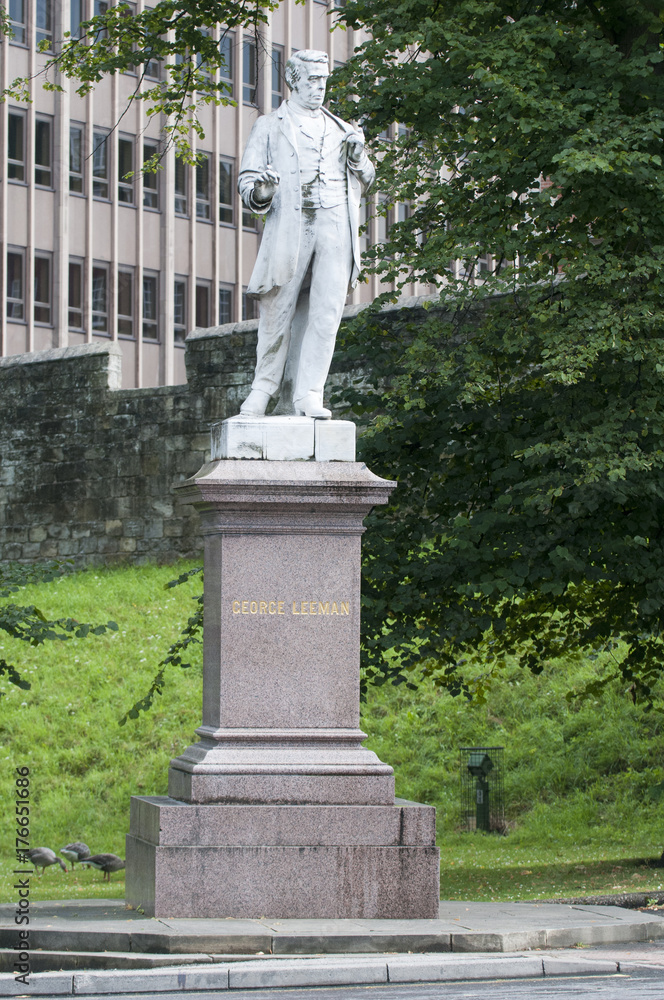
column 305, row 171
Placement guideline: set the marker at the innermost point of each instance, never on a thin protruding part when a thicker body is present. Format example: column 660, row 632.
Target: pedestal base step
column 251, row 861
column 284, row 439
column 379, row 882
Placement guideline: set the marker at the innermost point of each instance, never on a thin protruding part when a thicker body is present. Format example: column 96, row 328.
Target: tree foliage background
column 526, row 429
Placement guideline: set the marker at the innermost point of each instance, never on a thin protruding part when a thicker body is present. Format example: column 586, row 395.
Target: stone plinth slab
column 273, row 881
column 167, row 822
column 284, row 439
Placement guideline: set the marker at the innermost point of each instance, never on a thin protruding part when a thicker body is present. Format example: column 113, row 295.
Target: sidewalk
column 468, row 941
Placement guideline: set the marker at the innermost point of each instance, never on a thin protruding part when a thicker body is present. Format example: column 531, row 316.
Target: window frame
column 202, row 286
column 278, row 94
column 204, row 203
column 124, row 320
column 12, row 162
column 44, row 121
column 44, row 33
column 20, row 28
column 227, row 208
column 225, row 287
column 43, row 305
column 150, row 190
column 16, row 300
column 249, row 306
column 100, row 269
column 100, row 138
column 76, row 262
column 150, row 322
column 179, row 325
column 126, row 188
column 77, row 175
column 227, row 73
column 249, row 87
column 183, row 194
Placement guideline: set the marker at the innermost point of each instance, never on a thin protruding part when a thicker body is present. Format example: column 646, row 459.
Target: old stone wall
column 87, row 468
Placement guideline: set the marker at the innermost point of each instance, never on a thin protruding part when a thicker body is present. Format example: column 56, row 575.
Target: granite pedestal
column 278, row 810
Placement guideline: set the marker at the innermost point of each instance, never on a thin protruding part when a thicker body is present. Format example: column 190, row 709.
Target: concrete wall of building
column 88, row 467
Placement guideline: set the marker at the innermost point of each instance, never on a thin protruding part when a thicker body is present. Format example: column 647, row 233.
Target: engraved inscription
column 297, row 608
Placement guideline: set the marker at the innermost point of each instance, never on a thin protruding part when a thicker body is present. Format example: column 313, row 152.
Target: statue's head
column 306, row 74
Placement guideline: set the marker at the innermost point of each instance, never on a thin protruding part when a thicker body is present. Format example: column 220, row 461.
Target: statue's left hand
column 354, row 147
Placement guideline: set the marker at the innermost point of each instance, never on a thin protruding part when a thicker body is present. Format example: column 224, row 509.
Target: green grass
column 577, row 776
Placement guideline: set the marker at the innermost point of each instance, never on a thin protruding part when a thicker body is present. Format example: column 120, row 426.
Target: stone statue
column 305, row 171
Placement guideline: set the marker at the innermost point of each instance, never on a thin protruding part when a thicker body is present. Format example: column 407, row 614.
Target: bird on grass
column 42, row 857
column 105, row 863
column 77, row 851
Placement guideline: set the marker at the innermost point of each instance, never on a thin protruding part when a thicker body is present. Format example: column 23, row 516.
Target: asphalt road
column 644, row 985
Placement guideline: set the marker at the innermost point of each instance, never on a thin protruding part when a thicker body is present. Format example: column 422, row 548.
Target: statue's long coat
column 273, row 141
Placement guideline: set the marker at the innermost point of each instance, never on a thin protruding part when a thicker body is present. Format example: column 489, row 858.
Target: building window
column 76, row 159
column 100, row 165
column 126, row 303
column 179, row 310
column 201, row 65
column 180, row 186
column 226, row 69
column 225, row 304
column 203, row 187
column 100, row 298
column 226, row 192
column 44, row 22
column 150, row 307
column 75, row 319
column 42, row 304
column 17, row 21
column 16, row 146
column 249, row 220
column 202, row 305
column 150, row 178
column 126, row 171
column 101, row 7
column 15, row 285
column 249, row 72
column 43, row 152
column 277, row 75
column 75, row 17
column 249, row 306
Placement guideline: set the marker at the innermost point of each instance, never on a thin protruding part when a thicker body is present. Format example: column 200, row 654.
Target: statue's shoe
column 255, row 404
column 311, row 406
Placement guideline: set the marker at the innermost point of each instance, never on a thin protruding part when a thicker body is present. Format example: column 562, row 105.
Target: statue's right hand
column 266, row 185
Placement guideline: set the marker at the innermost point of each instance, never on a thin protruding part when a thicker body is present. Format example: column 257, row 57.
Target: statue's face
column 310, row 88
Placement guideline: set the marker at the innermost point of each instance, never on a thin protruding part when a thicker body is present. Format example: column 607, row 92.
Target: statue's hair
column 294, row 64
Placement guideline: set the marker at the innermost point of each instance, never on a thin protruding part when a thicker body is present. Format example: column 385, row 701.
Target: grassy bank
column 578, row 778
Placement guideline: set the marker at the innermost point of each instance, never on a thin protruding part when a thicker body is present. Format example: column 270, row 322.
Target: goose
column 105, row 863
column 75, row 851
column 42, row 857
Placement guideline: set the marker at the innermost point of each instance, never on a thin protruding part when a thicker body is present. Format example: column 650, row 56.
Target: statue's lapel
column 287, row 126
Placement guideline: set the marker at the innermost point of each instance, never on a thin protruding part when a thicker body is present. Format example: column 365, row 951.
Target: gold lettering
column 245, row 607
column 324, row 609
column 236, row 607
column 263, row 607
column 313, row 607
column 253, row 607
column 280, row 608
column 303, row 605
column 345, row 607
column 273, row 607
column 335, row 609
column 294, row 606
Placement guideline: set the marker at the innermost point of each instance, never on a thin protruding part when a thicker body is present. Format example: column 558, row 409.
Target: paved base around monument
column 467, row 941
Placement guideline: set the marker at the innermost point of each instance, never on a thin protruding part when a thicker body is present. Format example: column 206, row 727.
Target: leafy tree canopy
column 526, row 429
